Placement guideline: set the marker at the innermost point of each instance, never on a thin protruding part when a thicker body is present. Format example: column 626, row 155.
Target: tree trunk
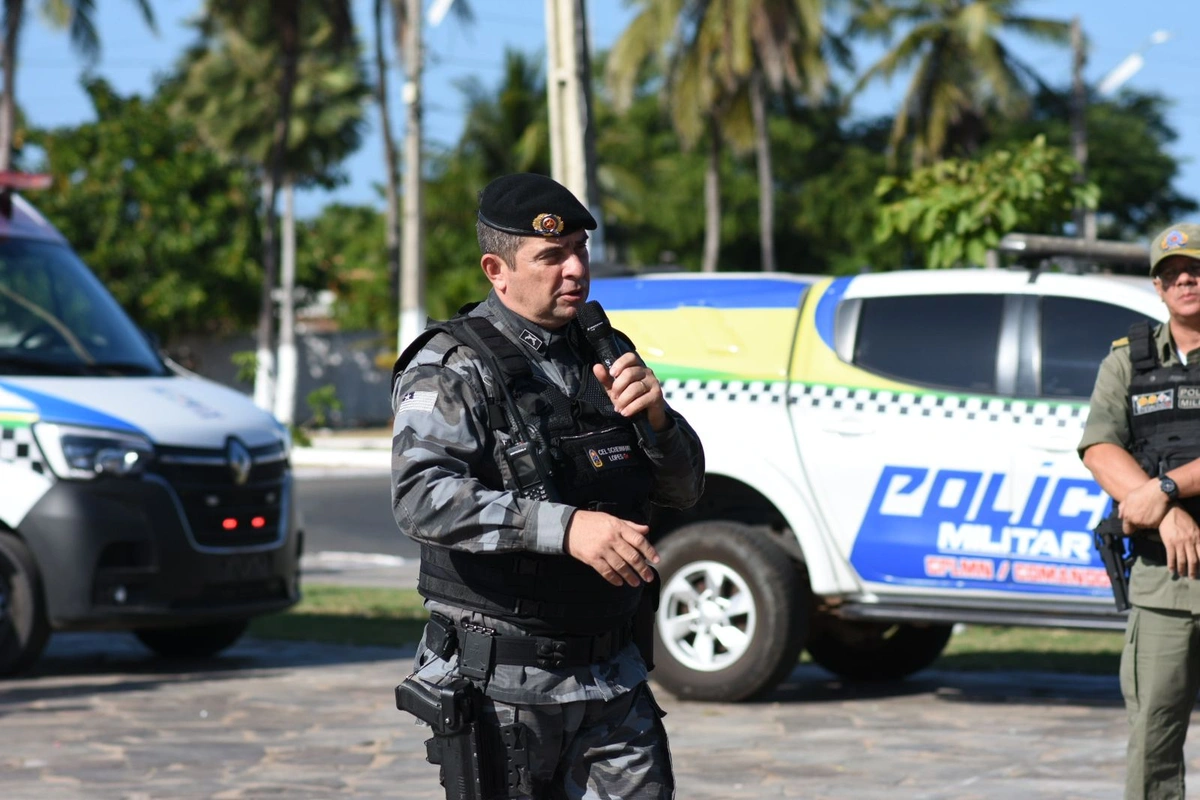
column 287, row 20
column 13, row 11
column 412, row 261
column 285, row 388
column 712, row 200
column 264, row 350
column 391, row 163
column 766, row 181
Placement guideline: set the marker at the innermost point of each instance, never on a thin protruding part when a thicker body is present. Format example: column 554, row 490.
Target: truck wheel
column 24, row 628
column 733, row 615
column 876, row 651
column 196, row 641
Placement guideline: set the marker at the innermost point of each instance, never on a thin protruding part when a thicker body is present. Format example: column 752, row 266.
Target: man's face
column 549, row 281
column 1178, row 284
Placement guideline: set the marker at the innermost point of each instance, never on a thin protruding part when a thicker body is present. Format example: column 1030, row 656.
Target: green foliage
column 1128, row 158
column 229, row 85
column 164, row 225
column 322, row 402
column 955, row 210
column 246, row 362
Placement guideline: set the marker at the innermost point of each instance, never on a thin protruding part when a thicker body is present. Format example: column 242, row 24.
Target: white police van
column 133, row 495
column 888, row 454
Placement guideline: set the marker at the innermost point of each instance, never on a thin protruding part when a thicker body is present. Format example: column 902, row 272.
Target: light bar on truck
column 24, row 181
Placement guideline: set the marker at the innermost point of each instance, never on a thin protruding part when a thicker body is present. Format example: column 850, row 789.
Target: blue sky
column 49, row 72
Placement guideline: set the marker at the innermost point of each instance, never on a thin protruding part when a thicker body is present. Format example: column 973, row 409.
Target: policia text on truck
column 524, row 467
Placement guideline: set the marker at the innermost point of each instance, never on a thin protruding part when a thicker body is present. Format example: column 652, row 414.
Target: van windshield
column 57, row 319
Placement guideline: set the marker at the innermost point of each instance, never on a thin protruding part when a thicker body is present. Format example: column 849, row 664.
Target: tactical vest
column 1164, row 409
column 596, row 463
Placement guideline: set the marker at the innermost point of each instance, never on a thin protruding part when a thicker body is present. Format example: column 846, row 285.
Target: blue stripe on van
column 650, row 294
column 827, row 308
column 56, row 409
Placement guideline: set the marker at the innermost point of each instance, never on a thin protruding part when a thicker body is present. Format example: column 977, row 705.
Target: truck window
column 1076, row 335
column 947, row 340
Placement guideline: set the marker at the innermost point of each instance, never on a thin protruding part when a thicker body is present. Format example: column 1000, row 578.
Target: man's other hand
column 1181, row 538
column 615, row 548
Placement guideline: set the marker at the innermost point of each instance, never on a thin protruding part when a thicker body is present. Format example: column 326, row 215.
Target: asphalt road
column 349, row 511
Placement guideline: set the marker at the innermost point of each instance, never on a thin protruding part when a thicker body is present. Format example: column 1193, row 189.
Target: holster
column 478, row 761
column 1109, row 538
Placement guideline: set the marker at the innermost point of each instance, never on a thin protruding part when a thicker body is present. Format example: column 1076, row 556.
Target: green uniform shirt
column 1150, row 585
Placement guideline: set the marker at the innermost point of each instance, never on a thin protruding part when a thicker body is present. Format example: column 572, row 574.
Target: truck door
column 1063, row 341
column 902, row 412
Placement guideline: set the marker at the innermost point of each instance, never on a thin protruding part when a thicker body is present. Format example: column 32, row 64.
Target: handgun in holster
column 1109, row 537
column 452, row 712
column 473, row 765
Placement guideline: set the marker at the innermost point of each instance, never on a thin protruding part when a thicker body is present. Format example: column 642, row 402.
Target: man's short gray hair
column 498, row 243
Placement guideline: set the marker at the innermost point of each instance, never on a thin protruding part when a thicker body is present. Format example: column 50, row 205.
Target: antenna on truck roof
column 11, row 181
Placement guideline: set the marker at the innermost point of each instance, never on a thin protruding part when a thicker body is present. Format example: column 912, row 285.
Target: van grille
column 221, row 512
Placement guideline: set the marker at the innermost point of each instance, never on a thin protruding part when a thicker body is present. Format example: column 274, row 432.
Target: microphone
column 599, row 333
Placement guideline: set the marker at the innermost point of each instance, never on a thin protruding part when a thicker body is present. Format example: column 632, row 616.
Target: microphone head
column 594, row 321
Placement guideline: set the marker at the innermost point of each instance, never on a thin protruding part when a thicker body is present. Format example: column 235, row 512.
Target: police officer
column 1141, row 443
column 526, row 470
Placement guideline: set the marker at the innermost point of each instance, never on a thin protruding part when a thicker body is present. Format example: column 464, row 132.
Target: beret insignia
column 548, row 224
column 1174, row 240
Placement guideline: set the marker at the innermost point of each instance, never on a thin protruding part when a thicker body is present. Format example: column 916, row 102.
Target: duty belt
column 480, row 648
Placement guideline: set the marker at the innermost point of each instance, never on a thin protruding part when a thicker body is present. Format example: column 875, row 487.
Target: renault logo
column 240, row 461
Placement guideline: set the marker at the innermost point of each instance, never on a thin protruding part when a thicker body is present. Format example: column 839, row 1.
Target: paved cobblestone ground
column 101, row 719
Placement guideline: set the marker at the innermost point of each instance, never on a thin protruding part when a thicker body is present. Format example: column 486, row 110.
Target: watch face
column 1168, row 487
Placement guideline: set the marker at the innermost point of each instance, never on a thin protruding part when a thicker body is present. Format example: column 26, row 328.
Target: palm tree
column 961, row 68
column 722, row 59
column 507, row 127
column 264, row 40
column 77, row 16
column 688, row 50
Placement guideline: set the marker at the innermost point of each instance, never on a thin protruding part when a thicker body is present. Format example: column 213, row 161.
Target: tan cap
column 1182, row 239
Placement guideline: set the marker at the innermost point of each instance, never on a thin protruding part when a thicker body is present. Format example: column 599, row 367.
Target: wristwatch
column 1169, row 488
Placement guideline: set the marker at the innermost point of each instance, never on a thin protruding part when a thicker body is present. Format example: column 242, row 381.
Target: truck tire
column 24, row 627
column 733, row 615
column 876, row 651
column 195, row 641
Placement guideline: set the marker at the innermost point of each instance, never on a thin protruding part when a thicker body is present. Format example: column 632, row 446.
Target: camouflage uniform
column 595, row 731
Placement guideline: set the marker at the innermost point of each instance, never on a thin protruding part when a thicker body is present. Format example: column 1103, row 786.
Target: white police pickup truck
column 888, row 454
column 133, row 496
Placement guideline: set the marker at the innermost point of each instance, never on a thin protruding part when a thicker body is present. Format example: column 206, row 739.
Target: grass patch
column 348, row 615
column 396, row 617
column 986, row 648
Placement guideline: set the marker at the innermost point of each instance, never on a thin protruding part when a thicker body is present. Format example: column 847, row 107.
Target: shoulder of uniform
column 1122, row 342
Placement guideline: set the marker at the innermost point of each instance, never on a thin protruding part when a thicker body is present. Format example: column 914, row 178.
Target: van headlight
column 84, row 453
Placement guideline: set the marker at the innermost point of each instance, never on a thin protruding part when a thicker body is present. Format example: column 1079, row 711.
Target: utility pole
column 1085, row 219
column 569, row 90
column 412, row 245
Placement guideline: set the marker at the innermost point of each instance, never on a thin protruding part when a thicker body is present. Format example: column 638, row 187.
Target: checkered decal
column 883, row 401
column 729, row 391
column 17, row 446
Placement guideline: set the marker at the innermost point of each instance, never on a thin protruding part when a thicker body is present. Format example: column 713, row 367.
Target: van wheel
column 733, row 616
column 196, row 641
column 876, row 651
column 24, row 628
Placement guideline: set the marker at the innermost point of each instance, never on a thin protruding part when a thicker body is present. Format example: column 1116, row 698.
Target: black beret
column 526, row 204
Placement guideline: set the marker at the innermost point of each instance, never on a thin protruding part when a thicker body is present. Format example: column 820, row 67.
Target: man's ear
column 495, row 269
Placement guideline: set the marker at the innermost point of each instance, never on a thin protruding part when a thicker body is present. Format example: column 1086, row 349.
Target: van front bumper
column 118, row 554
